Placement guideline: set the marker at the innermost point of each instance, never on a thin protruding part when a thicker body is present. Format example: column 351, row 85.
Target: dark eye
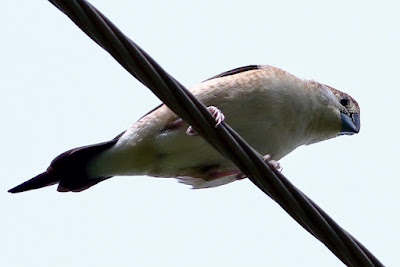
column 344, row 101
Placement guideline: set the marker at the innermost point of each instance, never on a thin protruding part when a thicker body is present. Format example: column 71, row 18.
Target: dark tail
column 44, row 179
column 68, row 170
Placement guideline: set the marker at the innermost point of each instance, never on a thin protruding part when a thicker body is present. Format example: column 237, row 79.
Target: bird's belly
column 182, row 155
column 172, row 153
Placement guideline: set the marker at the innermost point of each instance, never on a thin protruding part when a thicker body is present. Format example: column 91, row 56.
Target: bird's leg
column 218, row 116
column 238, row 174
column 267, row 159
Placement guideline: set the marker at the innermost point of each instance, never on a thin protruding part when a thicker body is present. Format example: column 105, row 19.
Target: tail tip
column 13, row 190
column 39, row 181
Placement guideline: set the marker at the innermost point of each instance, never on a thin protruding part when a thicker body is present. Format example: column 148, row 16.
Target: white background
column 59, row 90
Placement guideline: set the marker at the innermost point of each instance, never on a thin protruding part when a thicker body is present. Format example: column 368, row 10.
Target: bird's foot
column 273, row 163
column 267, row 159
column 216, row 113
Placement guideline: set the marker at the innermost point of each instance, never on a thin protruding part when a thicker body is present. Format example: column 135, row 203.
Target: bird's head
column 349, row 112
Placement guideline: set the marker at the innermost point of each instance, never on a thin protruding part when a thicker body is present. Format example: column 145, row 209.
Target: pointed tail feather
column 68, row 170
column 44, row 179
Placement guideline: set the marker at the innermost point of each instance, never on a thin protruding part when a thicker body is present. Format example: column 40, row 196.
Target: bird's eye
column 344, row 101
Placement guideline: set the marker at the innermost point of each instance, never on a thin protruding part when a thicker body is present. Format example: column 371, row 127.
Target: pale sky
column 61, row 90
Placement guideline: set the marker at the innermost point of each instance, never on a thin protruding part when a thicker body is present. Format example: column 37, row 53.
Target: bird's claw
column 269, row 161
column 216, row 113
column 273, row 163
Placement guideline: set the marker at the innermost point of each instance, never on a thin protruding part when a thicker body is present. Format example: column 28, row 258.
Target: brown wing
column 235, row 71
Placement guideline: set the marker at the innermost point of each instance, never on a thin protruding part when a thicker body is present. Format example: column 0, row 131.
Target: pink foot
column 218, row 116
column 273, row 163
column 240, row 175
column 267, row 158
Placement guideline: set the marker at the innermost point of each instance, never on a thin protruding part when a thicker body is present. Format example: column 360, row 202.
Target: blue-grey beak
column 350, row 124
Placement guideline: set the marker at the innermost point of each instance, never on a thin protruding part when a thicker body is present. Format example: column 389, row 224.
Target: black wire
column 137, row 62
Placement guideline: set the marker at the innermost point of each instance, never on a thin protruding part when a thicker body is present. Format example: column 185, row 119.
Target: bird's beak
column 350, row 124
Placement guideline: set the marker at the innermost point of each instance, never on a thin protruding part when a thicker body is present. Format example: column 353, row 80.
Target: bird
column 273, row 110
